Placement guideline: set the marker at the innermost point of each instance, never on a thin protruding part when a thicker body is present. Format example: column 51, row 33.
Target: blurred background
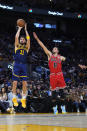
column 61, row 23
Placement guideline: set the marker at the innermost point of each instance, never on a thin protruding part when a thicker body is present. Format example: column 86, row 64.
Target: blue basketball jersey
column 20, row 55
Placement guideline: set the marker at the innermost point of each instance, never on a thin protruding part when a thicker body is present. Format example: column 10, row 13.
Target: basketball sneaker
column 55, row 110
column 23, row 101
column 10, row 110
column 15, row 103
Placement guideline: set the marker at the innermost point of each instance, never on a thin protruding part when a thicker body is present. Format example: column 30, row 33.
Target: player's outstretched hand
column 35, row 36
column 82, row 66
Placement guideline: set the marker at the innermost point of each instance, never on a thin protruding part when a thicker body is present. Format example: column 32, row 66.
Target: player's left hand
column 82, row 66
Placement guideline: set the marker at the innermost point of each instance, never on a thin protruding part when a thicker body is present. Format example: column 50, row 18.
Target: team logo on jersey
column 56, row 60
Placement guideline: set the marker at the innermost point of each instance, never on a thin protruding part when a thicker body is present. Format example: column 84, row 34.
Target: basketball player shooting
column 22, row 46
column 56, row 75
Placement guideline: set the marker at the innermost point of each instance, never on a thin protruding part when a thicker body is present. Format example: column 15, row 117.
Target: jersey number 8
column 55, row 65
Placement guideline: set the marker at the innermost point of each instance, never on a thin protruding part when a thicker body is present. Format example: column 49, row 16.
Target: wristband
column 27, row 37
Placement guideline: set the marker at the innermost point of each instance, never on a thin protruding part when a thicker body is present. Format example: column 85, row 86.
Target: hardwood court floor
column 43, row 122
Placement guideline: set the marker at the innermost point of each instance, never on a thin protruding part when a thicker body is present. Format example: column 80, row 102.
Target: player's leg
column 24, row 93
column 14, row 100
column 52, row 82
column 24, row 84
column 15, row 77
column 60, row 87
column 60, row 81
column 14, row 87
column 53, row 85
column 60, row 84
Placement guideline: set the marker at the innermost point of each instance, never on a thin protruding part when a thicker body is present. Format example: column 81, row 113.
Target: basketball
column 21, row 22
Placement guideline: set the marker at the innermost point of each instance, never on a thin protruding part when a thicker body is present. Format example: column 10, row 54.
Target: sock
column 24, row 95
column 14, row 95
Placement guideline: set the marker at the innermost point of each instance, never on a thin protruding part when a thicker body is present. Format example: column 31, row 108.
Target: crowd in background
column 39, row 99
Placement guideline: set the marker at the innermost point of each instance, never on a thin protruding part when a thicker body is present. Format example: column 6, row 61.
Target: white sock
column 14, row 95
column 24, row 96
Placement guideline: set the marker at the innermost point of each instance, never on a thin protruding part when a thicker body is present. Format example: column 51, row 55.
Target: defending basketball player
column 56, row 75
column 22, row 46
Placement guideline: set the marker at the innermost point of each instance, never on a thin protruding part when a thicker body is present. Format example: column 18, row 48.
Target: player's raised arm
column 82, row 66
column 27, row 37
column 63, row 58
column 17, row 36
column 48, row 53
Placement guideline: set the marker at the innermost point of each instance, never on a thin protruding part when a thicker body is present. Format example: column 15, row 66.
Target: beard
column 55, row 52
column 22, row 43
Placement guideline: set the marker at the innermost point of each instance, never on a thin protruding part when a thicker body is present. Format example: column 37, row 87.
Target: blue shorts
column 19, row 71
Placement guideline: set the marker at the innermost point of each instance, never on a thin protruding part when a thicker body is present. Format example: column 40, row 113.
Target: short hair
column 55, row 47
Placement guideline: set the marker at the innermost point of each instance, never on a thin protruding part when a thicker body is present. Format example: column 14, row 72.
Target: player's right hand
column 82, row 66
column 19, row 28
